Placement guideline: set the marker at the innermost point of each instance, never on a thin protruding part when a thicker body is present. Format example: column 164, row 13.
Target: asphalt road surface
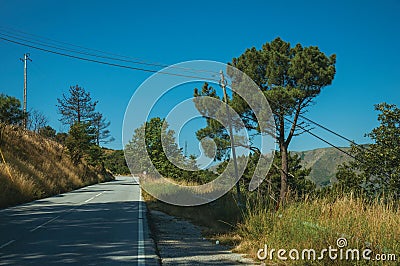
column 103, row 224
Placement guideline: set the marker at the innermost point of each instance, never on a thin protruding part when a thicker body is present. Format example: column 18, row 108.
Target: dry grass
column 218, row 218
column 319, row 223
column 306, row 224
column 37, row 167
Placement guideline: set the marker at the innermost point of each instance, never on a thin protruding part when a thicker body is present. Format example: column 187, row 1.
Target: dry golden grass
column 306, row 224
column 36, row 167
column 319, row 223
column 218, row 218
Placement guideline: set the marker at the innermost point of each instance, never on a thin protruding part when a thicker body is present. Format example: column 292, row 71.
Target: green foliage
column 214, row 130
column 10, row 110
column 79, row 141
column 100, row 125
column 77, row 107
column 290, row 78
column 299, row 183
column 95, row 155
column 115, row 162
column 377, row 168
column 61, row 137
column 47, row 132
column 87, row 128
column 151, row 133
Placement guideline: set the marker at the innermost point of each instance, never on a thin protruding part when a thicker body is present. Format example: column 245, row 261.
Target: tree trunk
column 284, row 174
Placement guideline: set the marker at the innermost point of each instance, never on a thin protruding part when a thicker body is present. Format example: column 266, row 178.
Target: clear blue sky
column 363, row 34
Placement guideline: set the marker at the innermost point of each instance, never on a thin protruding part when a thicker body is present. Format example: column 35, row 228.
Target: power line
column 126, row 60
column 320, row 138
column 331, row 131
column 104, row 62
column 358, row 146
column 323, row 127
column 39, row 38
column 336, row 147
column 150, row 71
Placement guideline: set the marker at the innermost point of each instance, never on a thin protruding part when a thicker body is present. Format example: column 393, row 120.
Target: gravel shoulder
column 180, row 243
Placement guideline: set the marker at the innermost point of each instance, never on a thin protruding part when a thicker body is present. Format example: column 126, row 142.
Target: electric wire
column 150, row 71
column 172, row 74
column 106, row 63
column 115, row 57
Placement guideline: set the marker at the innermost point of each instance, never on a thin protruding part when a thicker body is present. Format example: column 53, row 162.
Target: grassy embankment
column 218, row 217
column 305, row 224
column 36, row 167
column 318, row 223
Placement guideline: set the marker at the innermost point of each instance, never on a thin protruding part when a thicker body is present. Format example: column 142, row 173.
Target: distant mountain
column 323, row 163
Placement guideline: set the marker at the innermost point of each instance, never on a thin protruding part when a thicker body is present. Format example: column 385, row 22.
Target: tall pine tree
column 10, row 110
column 100, row 125
column 290, row 78
column 78, row 107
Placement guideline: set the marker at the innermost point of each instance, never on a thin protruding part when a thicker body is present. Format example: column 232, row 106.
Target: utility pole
column 223, row 84
column 25, row 60
column 185, row 149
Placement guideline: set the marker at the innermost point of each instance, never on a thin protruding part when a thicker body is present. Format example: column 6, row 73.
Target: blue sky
column 363, row 34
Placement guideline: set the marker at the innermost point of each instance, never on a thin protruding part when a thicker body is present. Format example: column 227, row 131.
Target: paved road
column 103, row 224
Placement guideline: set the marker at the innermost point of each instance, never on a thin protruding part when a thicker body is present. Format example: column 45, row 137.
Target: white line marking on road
column 86, row 201
column 6, row 244
column 140, row 251
column 49, row 221
column 43, row 224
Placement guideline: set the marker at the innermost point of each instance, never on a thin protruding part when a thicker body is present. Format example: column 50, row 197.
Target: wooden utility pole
column 25, row 60
column 223, row 84
column 185, row 152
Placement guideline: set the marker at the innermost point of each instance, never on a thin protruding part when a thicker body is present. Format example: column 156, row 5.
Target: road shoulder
column 179, row 242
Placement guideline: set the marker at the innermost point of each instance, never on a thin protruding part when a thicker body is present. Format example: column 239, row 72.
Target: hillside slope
column 34, row 167
column 323, row 163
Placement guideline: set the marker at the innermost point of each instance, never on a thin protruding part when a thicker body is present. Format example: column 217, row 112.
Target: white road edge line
column 43, row 224
column 140, row 252
column 6, row 244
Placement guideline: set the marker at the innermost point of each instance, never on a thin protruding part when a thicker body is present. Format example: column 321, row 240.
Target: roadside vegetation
column 288, row 210
column 317, row 224
column 34, row 167
column 114, row 161
column 38, row 162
